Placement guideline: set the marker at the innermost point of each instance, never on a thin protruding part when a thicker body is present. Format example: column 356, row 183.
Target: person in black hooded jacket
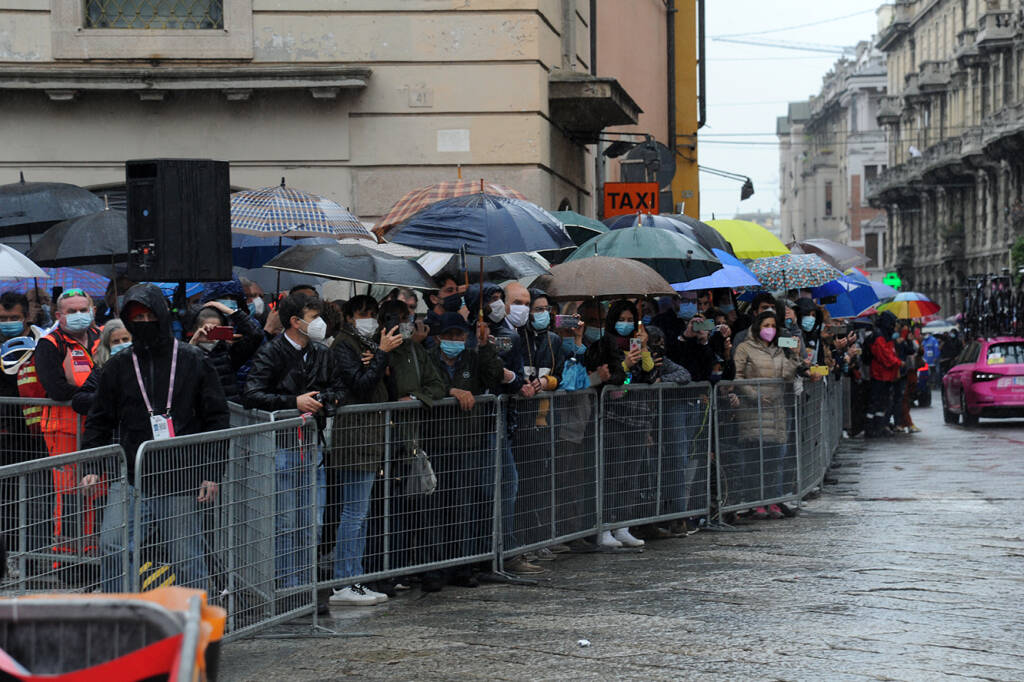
column 134, row 388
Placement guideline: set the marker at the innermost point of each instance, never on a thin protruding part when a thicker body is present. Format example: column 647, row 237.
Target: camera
column 330, row 400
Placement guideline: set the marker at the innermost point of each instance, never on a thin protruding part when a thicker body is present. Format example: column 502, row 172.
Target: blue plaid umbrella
column 285, row 212
column 65, row 278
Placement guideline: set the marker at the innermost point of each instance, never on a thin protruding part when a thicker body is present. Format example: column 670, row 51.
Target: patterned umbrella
column 793, row 271
column 910, row 305
column 418, row 199
column 65, row 278
column 285, row 212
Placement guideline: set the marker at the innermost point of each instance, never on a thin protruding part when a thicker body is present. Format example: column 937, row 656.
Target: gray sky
column 748, row 87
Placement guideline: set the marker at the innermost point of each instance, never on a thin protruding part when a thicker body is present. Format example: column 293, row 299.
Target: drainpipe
column 670, row 32
column 702, row 111
column 599, row 147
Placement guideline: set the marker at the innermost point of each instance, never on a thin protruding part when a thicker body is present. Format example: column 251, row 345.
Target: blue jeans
column 355, row 503
column 177, row 523
column 295, row 529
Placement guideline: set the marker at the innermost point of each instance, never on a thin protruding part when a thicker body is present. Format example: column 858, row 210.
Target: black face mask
column 144, row 334
column 451, row 304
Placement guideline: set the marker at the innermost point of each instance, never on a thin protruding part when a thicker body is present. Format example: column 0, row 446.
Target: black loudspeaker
column 179, row 220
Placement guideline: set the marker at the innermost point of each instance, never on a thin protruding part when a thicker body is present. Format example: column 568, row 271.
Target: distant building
column 829, row 146
column 769, row 220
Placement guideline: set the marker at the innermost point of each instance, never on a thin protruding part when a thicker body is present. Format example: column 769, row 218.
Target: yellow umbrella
column 749, row 240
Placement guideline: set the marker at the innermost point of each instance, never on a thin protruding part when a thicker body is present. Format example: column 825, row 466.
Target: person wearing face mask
column 761, row 412
column 674, row 313
column 295, row 371
column 227, row 356
column 885, row 372
column 626, row 422
column 158, row 380
column 114, row 338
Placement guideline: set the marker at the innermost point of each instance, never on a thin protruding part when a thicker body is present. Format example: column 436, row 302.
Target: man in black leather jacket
column 295, row 371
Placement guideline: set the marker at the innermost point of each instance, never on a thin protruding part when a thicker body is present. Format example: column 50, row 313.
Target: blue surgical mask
column 452, row 348
column 624, row 328
column 895, row 336
column 227, row 302
column 114, row 350
column 592, row 334
column 11, row 329
column 807, row 322
column 569, row 346
column 78, row 322
column 687, row 309
column 541, row 320
column 790, row 323
column 727, row 308
column 646, row 319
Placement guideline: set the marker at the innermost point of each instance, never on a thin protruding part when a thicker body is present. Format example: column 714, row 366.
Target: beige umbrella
column 603, row 277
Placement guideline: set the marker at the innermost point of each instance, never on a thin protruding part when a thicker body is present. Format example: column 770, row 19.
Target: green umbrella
column 671, row 255
column 580, row 227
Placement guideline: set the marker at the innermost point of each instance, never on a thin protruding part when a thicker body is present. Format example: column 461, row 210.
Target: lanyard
column 170, row 385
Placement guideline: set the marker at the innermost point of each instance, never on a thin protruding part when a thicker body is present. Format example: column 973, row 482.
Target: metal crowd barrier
column 393, row 489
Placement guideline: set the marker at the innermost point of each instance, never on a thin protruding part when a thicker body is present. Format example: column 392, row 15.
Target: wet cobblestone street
column 909, row 567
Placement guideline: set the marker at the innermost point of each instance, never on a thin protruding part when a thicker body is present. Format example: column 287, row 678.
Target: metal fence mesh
column 154, row 14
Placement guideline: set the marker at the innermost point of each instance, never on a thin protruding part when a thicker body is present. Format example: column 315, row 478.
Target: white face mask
column 317, row 330
column 518, row 315
column 367, row 327
column 497, row 311
column 207, row 345
column 256, row 307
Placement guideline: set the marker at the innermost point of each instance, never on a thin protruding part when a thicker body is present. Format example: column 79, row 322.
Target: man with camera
column 295, row 371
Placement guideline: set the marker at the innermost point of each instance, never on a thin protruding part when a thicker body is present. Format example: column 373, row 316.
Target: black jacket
column 280, row 373
column 198, row 405
column 228, row 359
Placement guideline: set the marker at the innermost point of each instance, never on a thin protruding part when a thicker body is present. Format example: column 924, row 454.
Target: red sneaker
column 760, row 514
column 775, row 512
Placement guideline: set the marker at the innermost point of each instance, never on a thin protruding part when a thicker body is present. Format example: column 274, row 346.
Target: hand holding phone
column 566, row 321
column 704, row 326
column 220, row 333
column 635, row 345
column 788, row 342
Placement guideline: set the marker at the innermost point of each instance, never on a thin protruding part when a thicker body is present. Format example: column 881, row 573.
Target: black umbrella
column 94, row 242
column 354, row 263
column 31, row 207
column 706, row 236
column 496, row 268
column 702, row 233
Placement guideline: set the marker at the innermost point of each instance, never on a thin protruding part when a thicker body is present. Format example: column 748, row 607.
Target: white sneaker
column 606, row 540
column 626, row 538
column 355, row 595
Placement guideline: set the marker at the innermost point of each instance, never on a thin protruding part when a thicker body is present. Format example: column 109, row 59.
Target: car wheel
column 949, row 416
column 969, row 419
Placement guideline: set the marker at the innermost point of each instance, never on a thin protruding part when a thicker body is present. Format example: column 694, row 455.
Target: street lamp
column 746, row 191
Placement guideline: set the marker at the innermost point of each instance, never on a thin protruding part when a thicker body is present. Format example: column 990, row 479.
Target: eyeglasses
column 68, row 293
column 542, row 309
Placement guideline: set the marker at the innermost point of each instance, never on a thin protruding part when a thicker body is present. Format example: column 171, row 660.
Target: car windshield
column 1005, row 354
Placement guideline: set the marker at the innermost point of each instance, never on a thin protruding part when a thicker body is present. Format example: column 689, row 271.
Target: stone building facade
column 829, row 146
column 954, row 116
column 357, row 100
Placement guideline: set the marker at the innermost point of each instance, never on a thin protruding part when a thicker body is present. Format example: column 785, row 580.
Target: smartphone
column 818, row 370
column 635, row 345
column 704, row 326
column 407, row 329
column 566, row 321
column 390, row 322
column 503, row 344
column 221, row 334
column 838, row 329
column 788, row 342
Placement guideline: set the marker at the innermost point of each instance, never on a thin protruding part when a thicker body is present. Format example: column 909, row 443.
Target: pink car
column 986, row 380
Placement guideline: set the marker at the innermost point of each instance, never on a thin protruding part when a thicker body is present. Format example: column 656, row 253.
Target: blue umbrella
column 732, row 275
column 253, row 251
column 482, row 225
column 65, row 278
column 852, row 296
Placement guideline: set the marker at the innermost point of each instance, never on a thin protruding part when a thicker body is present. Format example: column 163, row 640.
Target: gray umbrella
column 603, row 277
column 31, row 207
column 354, row 262
column 94, row 242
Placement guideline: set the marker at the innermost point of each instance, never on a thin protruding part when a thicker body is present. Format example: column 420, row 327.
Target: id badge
column 163, row 427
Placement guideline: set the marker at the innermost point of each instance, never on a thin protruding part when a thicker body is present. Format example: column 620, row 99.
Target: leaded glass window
column 155, row 14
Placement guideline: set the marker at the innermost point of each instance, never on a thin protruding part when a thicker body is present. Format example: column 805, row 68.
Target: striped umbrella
column 418, row 199
column 910, row 305
column 793, row 271
column 286, row 212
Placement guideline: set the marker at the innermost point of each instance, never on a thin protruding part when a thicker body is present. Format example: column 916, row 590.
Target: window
column 1005, row 354
column 828, row 199
column 154, row 14
column 870, row 173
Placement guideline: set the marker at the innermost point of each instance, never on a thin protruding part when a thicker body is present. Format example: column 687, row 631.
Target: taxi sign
column 624, row 198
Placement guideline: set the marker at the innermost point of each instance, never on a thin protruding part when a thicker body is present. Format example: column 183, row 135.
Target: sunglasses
column 68, row 293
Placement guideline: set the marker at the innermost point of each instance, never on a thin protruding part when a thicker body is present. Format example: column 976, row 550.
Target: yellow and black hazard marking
column 155, row 575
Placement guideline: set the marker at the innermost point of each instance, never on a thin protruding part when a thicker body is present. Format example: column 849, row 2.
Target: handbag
column 421, row 479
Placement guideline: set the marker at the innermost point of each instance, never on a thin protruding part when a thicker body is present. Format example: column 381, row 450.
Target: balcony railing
column 933, row 76
column 898, row 26
column 966, row 53
column 995, row 30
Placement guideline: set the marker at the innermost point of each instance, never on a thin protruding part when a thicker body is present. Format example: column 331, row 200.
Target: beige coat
column 756, row 359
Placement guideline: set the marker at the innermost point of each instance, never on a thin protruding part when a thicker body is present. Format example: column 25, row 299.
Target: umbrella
column 15, row 265
column 496, row 268
column 603, row 277
column 835, row 254
column 482, row 225
column 274, row 281
column 673, row 256
column 910, row 305
column 852, row 297
column 699, row 232
column 64, row 278
column 253, row 251
column 580, row 227
column 31, row 207
column 749, row 240
column 418, row 199
column 96, row 241
column 354, row 263
column 793, row 271
column 734, row 274
column 286, row 212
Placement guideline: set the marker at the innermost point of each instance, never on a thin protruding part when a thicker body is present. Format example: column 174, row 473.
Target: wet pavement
column 909, row 567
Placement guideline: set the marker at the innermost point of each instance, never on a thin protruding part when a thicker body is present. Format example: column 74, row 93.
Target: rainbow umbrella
column 910, row 305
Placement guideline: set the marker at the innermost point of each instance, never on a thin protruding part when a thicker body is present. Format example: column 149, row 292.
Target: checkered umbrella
column 65, row 278
column 286, row 212
column 418, row 199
